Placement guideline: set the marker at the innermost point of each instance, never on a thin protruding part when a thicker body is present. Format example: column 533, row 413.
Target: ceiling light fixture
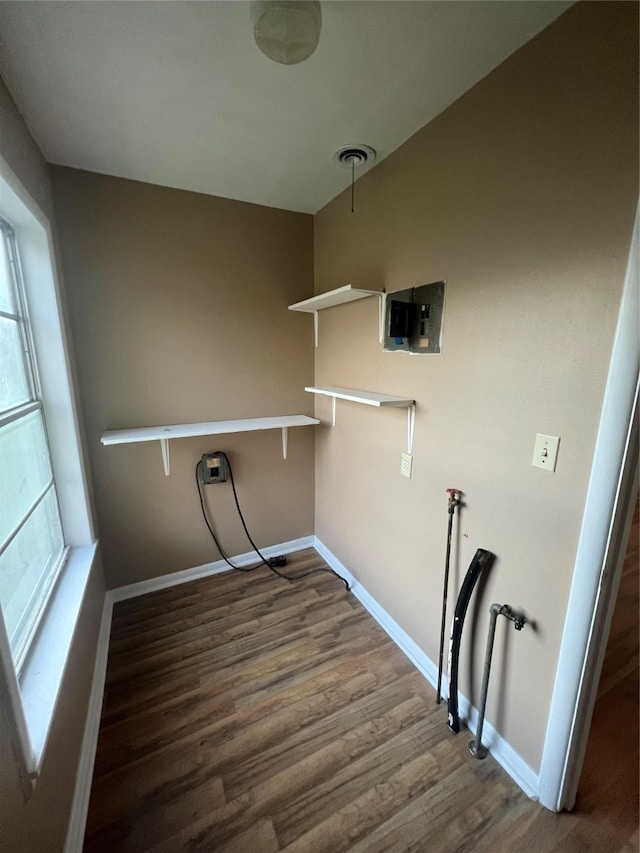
column 286, row 31
column 351, row 156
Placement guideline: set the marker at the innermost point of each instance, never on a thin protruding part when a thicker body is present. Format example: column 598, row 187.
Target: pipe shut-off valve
column 455, row 499
column 519, row 621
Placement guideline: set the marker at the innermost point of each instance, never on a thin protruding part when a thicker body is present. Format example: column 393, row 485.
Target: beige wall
column 178, row 306
column 522, row 196
column 41, row 824
column 19, row 149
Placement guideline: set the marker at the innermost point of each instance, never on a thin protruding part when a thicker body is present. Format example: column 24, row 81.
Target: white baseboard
column 400, row 637
column 132, row 590
column 506, row 756
column 501, row 749
column 84, row 773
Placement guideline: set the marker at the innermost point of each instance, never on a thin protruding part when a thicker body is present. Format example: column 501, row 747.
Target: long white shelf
column 164, row 433
column 369, row 398
column 333, row 297
column 339, row 296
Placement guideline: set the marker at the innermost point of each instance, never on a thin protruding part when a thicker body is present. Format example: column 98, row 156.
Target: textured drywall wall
column 41, row 823
column 522, row 197
column 178, row 306
column 20, row 151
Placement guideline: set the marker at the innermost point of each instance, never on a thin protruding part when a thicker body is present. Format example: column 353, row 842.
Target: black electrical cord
column 212, row 531
column 264, row 560
column 267, row 562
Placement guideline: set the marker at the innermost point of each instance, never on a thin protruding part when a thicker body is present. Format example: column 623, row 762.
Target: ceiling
column 178, row 94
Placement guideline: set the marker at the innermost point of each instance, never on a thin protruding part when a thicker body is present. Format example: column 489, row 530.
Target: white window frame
column 30, row 696
column 30, row 618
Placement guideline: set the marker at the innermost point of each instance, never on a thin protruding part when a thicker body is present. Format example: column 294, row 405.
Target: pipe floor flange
column 478, row 751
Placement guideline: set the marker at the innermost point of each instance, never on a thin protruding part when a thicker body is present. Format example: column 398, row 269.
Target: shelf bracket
column 285, row 441
column 333, row 411
column 381, row 312
column 166, row 461
column 411, row 422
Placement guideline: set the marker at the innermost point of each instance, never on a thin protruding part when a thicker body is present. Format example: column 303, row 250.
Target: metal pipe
column 475, row 746
column 453, row 502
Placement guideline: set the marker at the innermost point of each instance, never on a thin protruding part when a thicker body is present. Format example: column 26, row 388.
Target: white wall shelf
column 369, row 398
column 164, row 433
column 339, row 296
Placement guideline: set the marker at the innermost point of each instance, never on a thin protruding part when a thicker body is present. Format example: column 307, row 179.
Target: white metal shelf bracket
column 381, row 311
column 164, row 433
column 369, row 398
column 339, row 296
column 166, row 460
column 382, row 304
column 411, row 422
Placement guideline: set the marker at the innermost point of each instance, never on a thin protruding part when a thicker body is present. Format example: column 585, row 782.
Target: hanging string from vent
column 353, row 180
column 350, row 156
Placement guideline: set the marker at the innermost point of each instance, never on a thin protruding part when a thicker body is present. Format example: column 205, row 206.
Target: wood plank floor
column 245, row 713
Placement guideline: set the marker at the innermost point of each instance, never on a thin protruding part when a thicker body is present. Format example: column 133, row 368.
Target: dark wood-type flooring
column 245, row 713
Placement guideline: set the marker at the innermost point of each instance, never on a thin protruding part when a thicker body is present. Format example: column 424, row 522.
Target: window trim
column 30, row 698
column 21, row 316
column 27, row 625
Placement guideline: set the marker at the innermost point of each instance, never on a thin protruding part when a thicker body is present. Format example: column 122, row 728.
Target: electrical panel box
column 213, row 468
column 413, row 321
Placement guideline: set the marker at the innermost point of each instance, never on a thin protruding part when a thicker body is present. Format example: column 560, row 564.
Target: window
column 48, row 550
column 32, row 549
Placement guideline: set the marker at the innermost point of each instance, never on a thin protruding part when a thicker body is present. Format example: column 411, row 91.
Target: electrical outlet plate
column 213, row 468
column 545, row 452
column 406, row 464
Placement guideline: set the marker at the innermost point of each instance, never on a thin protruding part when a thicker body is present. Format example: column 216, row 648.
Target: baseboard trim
column 400, row 637
column 80, row 807
column 513, row 763
column 501, row 750
column 506, row 756
column 84, row 774
column 132, row 590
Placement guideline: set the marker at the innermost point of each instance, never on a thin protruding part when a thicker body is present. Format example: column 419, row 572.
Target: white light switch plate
column 405, row 465
column 545, row 451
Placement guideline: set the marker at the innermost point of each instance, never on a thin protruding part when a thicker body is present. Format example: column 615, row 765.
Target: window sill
column 43, row 670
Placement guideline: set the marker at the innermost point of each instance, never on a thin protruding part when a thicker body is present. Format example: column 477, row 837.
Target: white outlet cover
column 545, row 451
column 406, row 465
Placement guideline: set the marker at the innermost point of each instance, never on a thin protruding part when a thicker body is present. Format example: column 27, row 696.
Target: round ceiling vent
column 354, row 155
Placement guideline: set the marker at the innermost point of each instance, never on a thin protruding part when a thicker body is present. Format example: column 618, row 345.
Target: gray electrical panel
column 413, row 319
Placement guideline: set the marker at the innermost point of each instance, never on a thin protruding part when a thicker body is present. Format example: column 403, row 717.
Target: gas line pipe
column 475, row 746
column 454, row 501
